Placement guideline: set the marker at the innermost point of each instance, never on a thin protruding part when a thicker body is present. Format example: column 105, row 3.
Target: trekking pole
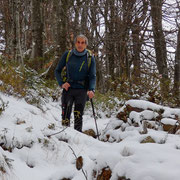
column 94, row 118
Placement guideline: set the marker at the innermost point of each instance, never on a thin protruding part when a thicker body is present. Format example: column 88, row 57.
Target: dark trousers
column 77, row 97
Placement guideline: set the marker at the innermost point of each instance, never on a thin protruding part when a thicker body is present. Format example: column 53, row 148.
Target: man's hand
column 66, row 86
column 90, row 94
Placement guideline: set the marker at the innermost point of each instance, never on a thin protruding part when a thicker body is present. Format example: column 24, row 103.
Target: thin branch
column 85, row 174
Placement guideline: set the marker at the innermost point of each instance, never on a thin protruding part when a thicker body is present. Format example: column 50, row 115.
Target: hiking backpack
column 64, row 70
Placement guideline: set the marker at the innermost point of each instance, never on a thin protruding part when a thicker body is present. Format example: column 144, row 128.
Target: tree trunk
column 126, row 23
column 137, row 39
column 61, row 14
column 111, row 44
column 84, row 18
column 136, row 49
column 94, row 43
column 76, row 25
column 37, row 29
column 8, row 16
column 177, row 70
column 160, row 43
column 19, row 54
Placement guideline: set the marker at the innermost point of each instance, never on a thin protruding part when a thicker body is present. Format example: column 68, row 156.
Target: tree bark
column 137, row 39
column 19, row 54
column 61, row 21
column 37, row 29
column 8, row 16
column 159, row 43
column 177, row 69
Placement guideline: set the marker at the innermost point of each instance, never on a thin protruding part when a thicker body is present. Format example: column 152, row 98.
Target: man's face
column 80, row 44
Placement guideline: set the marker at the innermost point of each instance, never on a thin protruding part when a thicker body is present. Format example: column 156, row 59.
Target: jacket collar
column 79, row 53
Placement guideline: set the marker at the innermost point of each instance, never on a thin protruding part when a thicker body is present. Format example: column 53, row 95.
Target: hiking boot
column 65, row 122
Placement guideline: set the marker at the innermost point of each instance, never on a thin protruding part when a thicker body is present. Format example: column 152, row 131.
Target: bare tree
column 159, row 42
column 37, row 29
column 60, row 31
column 7, row 14
column 138, row 26
column 177, row 69
column 19, row 52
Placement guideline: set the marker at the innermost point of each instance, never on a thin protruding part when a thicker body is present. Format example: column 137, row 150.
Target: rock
column 130, row 108
column 123, row 178
column 107, row 136
column 148, row 139
column 122, row 116
column 105, row 174
column 167, row 127
column 178, row 132
column 90, row 132
column 144, row 128
column 133, row 113
column 170, row 125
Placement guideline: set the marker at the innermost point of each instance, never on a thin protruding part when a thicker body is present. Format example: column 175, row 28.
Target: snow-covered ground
column 27, row 153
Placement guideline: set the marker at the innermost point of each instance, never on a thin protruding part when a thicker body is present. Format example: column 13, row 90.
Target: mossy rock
column 148, row 139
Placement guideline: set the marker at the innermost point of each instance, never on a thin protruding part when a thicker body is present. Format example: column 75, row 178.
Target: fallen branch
column 56, row 132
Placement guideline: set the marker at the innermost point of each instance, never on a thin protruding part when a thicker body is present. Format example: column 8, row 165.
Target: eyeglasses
column 83, row 42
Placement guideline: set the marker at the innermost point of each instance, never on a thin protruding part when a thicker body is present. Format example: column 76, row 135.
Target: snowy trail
column 30, row 154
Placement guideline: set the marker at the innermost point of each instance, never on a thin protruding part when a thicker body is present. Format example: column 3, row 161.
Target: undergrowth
column 106, row 103
column 25, row 82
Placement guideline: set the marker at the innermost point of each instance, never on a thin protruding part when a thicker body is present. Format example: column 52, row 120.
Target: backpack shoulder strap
column 89, row 56
column 68, row 55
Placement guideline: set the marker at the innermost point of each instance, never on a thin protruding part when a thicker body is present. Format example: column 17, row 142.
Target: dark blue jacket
column 77, row 71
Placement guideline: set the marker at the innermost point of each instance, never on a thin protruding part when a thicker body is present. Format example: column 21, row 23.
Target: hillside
column 27, row 152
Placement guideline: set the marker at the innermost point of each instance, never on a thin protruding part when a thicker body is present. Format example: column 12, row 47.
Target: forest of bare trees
column 136, row 42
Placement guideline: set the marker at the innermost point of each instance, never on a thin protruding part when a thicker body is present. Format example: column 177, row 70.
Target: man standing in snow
column 76, row 74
